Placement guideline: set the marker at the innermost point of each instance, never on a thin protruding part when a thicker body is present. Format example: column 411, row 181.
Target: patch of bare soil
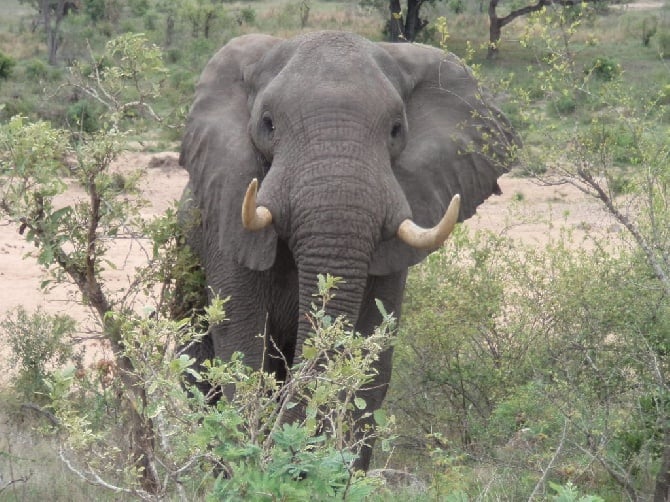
column 526, row 211
column 534, row 213
column 639, row 5
column 20, row 276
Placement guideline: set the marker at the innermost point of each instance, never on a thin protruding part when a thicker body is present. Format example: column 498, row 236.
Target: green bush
column 664, row 95
column 95, row 10
column 663, row 43
column 604, row 138
column 138, row 7
column 247, row 15
column 564, row 104
column 649, row 26
column 40, row 344
column 83, row 117
column 7, row 64
column 603, row 68
column 456, row 6
column 570, row 493
column 36, row 70
column 18, row 105
column 245, row 439
column 521, row 353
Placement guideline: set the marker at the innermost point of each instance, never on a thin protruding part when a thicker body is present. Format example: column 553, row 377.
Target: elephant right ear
column 220, row 157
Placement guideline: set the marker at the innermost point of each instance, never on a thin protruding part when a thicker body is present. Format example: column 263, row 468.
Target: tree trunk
column 52, row 16
column 396, row 25
column 413, row 24
column 407, row 29
column 495, row 30
column 169, row 30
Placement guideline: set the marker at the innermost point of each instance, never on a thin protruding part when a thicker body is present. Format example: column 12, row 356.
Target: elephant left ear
column 458, row 142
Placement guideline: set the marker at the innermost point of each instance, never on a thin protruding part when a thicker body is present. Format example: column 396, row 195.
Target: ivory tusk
column 431, row 238
column 254, row 217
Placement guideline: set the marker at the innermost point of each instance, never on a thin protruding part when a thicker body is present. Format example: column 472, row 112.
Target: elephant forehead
column 344, row 83
column 333, row 57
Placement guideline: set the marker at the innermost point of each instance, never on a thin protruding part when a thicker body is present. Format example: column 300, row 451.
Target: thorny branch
column 647, row 249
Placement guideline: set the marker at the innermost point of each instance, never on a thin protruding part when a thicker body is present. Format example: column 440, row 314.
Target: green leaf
column 309, row 352
column 380, row 417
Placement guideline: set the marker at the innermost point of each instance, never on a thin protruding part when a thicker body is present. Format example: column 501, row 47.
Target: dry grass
column 29, row 465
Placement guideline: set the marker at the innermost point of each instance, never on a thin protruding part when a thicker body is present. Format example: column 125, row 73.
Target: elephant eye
column 396, row 130
column 268, row 125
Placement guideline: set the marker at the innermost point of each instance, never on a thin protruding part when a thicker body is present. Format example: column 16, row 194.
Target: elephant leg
column 389, row 289
column 246, row 314
column 244, row 324
column 282, row 326
column 280, row 346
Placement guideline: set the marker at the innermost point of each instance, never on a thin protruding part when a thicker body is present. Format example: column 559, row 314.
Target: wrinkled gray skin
column 347, row 138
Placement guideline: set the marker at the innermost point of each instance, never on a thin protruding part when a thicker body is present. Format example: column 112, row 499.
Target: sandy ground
column 639, row 6
column 526, row 211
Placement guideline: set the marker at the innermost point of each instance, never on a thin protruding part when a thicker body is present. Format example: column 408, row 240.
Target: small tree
column 497, row 23
column 71, row 241
column 51, row 14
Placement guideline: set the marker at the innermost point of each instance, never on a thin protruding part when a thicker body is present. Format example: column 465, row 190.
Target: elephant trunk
column 338, row 240
column 345, row 301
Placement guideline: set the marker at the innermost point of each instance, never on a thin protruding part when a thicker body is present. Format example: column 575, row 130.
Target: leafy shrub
column 40, row 344
column 245, row 439
column 663, row 43
column 617, row 141
column 649, row 25
column 299, row 467
column 564, row 104
column 570, row 493
column 183, row 81
column 138, row 7
column 515, row 348
column 603, row 68
column 95, row 10
column 457, row 6
column 174, row 55
column 7, row 64
column 36, row 70
column 247, row 15
column 664, row 95
column 83, row 116
column 19, row 105
column 526, row 409
column 150, row 21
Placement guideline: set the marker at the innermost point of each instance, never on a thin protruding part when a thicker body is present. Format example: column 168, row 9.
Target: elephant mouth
column 255, row 217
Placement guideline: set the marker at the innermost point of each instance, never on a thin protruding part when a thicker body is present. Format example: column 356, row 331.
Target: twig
column 545, row 472
column 93, row 478
column 22, row 479
column 50, row 416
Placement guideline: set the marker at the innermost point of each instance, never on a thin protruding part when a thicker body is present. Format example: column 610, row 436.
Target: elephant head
column 341, row 154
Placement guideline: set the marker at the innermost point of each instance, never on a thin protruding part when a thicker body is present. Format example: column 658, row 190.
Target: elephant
column 329, row 153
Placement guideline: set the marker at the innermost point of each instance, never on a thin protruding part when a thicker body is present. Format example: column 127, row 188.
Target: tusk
column 254, row 218
column 431, row 238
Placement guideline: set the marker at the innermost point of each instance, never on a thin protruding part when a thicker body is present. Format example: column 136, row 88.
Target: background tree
column 51, row 14
column 405, row 25
column 497, row 23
